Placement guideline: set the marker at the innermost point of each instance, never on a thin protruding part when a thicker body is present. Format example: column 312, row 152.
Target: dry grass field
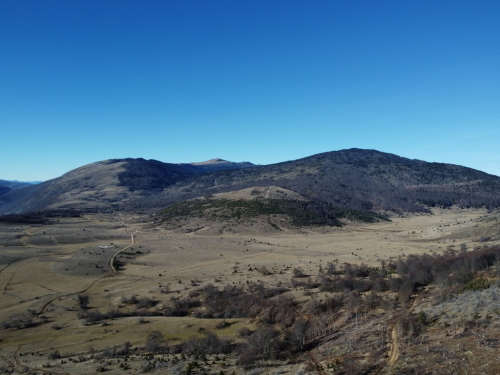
column 125, row 263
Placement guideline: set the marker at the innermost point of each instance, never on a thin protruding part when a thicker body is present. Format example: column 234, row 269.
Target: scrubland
column 131, row 294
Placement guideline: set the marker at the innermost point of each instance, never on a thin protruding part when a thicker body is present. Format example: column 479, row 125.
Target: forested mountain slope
column 357, row 179
column 365, row 180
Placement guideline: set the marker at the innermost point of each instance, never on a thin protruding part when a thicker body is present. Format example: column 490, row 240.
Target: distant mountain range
column 364, row 180
column 22, row 182
column 213, row 165
column 6, row 186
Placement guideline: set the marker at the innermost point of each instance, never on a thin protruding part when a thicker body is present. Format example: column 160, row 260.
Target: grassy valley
column 127, row 294
column 350, row 262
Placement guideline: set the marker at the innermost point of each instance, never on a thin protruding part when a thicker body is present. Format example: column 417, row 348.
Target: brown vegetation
column 295, row 302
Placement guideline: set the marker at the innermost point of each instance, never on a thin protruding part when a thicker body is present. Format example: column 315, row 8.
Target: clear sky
column 259, row 81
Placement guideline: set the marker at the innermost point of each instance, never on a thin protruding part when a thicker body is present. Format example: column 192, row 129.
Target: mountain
column 6, row 186
column 355, row 179
column 23, row 182
column 146, row 175
column 105, row 184
column 365, row 180
column 213, row 165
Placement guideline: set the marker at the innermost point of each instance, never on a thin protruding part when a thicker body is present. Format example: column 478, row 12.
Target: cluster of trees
column 41, row 217
column 359, row 277
column 301, row 213
column 454, row 269
column 234, row 302
column 94, row 316
column 29, row 218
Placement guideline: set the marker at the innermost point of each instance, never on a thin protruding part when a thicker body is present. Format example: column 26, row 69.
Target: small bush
column 476, row 284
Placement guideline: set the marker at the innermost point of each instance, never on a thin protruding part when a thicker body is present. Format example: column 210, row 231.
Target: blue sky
column 260, row 81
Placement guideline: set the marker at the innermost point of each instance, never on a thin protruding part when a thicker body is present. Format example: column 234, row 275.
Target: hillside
column 6, row 186
column 356, row 179
column 105, row 185
column 272, row 214
column 213, row 165
column 364, row 180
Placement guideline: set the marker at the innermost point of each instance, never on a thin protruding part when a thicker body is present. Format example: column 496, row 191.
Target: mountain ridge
column 7, row 186
column 360, row 179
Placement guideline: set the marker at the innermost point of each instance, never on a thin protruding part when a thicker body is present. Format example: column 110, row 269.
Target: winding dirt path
column 394, row 351
column 8, row 264
column 17, row 364
column 112, row 260
column 113, row 272
column 5, row 280
column 394, row 346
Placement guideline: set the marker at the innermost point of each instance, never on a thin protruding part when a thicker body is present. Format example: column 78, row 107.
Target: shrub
column 263, row 270
column 244, row 332
column 210, row 343
column 54, row 355
column 83, row 301
column 154, row 341
column 476, row 284
column 297, row 272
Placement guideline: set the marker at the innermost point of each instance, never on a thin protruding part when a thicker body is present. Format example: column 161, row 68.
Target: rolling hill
column 364, row 180
column 108, row 184
column 6, row 186
column 354, row 179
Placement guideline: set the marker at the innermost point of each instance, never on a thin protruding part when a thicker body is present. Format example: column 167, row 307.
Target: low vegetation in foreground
column 419, row 314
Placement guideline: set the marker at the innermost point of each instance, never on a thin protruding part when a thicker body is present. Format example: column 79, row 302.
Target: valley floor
column 46, row 270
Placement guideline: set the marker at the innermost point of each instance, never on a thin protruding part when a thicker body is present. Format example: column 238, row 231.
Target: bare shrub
column 83, row 301
column 298, row 334
column 264, row 341
column 154, row 342
column 210, row 343
column 380, row 285
column 146, row 303
column 54, row 355
column 353, row 302
column 244, row 332
column 411, row 325
column 297, row 273
column 330, row 268
column 263, row 270
column 165, row 289
column 372, row 300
